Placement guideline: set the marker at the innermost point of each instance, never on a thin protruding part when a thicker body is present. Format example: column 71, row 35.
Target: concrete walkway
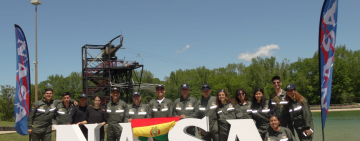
column 333, row 110
column 7, row 132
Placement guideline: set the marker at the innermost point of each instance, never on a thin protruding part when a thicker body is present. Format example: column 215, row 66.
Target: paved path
column 7, row 132
column 332, row 110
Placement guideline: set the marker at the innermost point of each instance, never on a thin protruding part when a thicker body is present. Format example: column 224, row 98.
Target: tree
column 7, row 98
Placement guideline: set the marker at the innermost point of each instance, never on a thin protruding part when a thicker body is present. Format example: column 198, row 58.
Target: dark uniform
column 163, row 109
column 117, row 113
column 280, row 106
column 207, row 107
column 246, row 109
column 40, row 119
column 301, row 116
column 261, row 117
column 63, row 113
column 138, row 112
column 227, row 111
column 160, row 108
column 284, row 134
column 189, row 107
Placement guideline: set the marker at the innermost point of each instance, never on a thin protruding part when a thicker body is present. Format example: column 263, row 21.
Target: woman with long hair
column 300, row 113
column 276, row 132
column 260, row 111
column 95, row 114
column 226, row 109
column 242, row 99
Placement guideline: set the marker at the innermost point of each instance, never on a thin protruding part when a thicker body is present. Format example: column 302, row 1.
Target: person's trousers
column 84, row 131
column 302, row 137
column 113, row 132
column 102, row 133
column 207, row 136
column 41, row 137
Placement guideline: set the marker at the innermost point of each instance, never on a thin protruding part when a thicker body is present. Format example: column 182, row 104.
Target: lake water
column 339, row 126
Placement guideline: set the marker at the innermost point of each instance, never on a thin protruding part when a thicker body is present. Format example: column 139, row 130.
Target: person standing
column 40, row 118
column 160, row 107
column 95, row 114
column 242, row 99
column 118, row 112
column 78, row 115
column 226, row 109
column 260, row 111
column 207, row 107
column 137, row 110
column 186, row 106
column 64, row 109
column 300, row 113
column 279, row 104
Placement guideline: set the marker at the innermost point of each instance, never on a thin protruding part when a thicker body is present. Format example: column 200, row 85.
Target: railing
column 110, row 64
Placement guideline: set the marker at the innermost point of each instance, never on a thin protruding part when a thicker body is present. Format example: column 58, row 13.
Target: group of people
column 275, row 118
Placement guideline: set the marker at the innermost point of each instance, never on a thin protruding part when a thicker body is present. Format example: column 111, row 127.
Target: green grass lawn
column 7, row 123
column 17, row 137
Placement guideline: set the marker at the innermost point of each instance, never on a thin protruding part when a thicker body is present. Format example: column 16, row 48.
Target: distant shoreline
column 334, row 110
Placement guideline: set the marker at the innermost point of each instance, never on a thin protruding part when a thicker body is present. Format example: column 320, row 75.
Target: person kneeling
column 277, row 133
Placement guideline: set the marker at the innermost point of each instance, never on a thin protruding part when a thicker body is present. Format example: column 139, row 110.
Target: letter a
column 250, row 133
column 177, row 133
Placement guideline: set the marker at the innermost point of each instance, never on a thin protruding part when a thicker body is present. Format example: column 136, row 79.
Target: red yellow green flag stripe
column 157, row 128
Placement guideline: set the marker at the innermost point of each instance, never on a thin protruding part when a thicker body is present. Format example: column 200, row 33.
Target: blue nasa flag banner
column 22, row 92
column 327, row 29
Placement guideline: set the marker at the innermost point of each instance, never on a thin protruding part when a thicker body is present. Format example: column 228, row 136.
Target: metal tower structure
column 102, row 71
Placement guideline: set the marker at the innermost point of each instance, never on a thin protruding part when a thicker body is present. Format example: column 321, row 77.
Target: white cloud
column 262, row 51
column 182, row 50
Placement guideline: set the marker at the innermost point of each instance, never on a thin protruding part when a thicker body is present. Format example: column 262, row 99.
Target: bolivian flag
column 156, row 128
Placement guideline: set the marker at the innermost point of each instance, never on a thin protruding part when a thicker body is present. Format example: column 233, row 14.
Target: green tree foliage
column 60, row 84
column 7, row 98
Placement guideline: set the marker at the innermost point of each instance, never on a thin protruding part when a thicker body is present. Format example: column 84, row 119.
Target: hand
column 29, row 131
column 129, row 120
column 76, row 103
column 182, row 116
column 308, row 132
column 200, row 132
column 103, row 123
column 79, row 123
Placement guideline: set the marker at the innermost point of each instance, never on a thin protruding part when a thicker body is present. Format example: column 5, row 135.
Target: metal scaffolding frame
column 102, row 74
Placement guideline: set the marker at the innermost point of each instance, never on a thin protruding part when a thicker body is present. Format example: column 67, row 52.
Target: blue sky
column 169, row 34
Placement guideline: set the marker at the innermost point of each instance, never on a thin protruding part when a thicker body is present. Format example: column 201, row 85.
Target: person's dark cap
column 205, row 87
column 275, row 78
column 290, row 87
column 160, row 86
column 184, row 86
column 114, row 89
column 82, row 96
column 136, row 93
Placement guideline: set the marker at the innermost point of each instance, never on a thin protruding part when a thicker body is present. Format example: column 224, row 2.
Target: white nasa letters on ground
column 177, row 133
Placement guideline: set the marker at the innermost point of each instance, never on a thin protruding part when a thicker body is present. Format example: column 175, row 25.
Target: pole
column 319, row 54
column 36, row 59
column 323, row 137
